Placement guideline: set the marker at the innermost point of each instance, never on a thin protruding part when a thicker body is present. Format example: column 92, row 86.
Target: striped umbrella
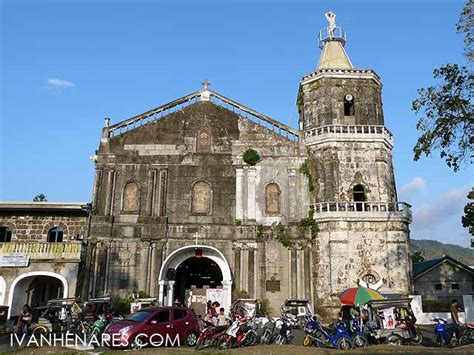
column 359, row 296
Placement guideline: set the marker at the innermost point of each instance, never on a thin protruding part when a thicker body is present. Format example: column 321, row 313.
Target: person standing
column 222, row 318
column 455, row 317
column 24, row 320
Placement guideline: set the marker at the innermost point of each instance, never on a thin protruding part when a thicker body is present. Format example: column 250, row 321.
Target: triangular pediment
column 202, row 95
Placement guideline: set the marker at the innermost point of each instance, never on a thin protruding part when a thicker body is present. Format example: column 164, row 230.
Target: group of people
column 215, row 314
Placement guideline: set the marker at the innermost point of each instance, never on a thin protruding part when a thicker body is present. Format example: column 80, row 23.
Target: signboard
column 218, row 295
column 14, row 260
column 272, row 285
column 388, row 318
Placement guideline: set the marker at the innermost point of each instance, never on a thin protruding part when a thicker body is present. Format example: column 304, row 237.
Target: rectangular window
column 438, row 287
column 454, row 286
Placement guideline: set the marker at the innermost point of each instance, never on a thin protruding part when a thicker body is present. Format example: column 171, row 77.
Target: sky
column 65, row 65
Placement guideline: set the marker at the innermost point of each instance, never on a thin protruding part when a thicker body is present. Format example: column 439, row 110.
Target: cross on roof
column 205, row 84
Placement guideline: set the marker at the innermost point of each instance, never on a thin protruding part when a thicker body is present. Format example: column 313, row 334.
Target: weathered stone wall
column 348, row 250
column 339, row 166
column 167, row 158
column 321, row 102
column 26, row 226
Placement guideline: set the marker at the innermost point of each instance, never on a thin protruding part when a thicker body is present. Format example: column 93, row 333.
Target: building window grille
column 438, row 287
column 455, row 287
column 5, row 235
column 55, row 235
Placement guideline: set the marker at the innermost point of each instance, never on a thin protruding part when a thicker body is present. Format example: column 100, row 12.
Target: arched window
column 201, row 201
column 5, row 235
column 349, row 105
column 203, row 140
column 272, row 198
column 358, row 194
column 131, row 197
column 55, row 235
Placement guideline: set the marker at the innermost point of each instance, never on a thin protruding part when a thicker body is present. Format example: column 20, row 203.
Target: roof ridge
column 203, row 95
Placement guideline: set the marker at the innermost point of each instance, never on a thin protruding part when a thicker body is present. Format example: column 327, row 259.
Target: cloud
column 417, row 184
column 430, row 216
column 59, row 83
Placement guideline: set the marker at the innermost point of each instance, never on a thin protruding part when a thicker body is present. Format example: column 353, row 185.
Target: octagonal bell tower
column 364, row 230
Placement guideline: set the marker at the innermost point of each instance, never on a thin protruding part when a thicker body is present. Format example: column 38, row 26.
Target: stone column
column 244, row 269
column 251, row 181
column 161, row 292
column 237, row 279
column 170, row 293
column 227, row 287
column 291, row 195
column 239, row 196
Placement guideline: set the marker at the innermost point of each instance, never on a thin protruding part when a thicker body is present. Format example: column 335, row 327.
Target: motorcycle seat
column 220, row 328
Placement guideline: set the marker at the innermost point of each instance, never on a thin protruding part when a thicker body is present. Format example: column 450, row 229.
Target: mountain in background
column 431, row 249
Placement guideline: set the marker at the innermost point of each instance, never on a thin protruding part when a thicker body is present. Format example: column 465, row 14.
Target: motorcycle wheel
column 39, row 330
column 344, row 344
column 307, row 341
column 201, row 344
column 394, row 339
column 280, row 340
column 251, row 340
column 224, row 343
column 360, row 341
column 466, row 339
column 266, row 337
column 417, row 338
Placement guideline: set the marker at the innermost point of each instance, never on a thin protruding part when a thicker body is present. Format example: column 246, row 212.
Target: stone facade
column 54, row 268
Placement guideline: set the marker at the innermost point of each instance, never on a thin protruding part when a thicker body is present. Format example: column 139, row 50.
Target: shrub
column 251, row 157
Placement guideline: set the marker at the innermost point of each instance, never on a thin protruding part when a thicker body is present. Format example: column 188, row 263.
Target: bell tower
column 364, row 230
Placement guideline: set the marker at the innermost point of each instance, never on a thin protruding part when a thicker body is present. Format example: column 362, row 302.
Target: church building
column 177, row 207
column 205, row 198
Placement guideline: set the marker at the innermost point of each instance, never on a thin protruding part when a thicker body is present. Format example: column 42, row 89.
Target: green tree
column 416, row 257
column 40, row 198
column 468, row 218
column 447, row 122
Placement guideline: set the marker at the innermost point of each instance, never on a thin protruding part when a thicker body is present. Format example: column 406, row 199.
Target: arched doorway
column 195, row 267
column 35, row 289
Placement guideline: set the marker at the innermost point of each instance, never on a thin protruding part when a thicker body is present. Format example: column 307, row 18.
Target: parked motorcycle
column 283, row 327
column 467, row 337
column 318, row 335
column 210, row 336
column 240, row 333
column 359, row 339
column 444, row 333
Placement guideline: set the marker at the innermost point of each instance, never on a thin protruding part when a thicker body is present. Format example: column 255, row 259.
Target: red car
column 154, row 326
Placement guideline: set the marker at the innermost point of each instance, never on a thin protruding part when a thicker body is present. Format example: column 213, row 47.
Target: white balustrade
column 43, row 250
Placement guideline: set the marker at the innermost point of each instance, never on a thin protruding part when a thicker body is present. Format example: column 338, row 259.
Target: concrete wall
column 426, row 317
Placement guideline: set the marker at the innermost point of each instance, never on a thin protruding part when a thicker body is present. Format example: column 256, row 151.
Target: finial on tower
column 332, row 32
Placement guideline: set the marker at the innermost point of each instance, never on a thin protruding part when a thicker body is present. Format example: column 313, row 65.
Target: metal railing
column 397, row 208
column 348, row 129
column 43, row 250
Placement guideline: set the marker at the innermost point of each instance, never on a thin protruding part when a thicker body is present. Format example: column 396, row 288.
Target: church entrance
column 193, row 275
